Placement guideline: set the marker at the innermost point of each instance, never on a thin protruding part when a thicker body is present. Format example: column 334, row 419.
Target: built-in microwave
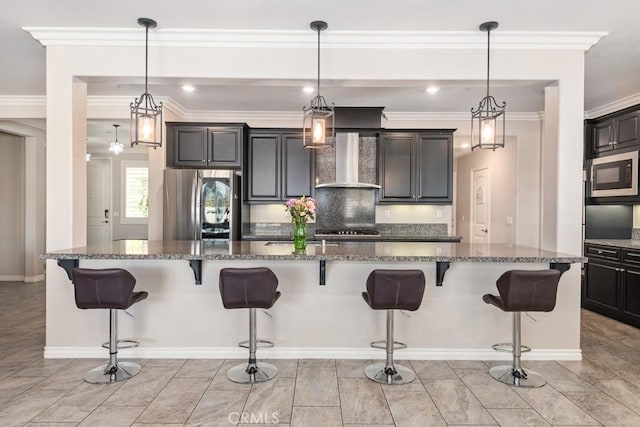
column 615, row 175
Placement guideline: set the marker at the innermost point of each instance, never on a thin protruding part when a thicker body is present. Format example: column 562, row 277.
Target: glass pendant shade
column 116, row 147
column 318, row 129
column 146, row 115
column 487, row 121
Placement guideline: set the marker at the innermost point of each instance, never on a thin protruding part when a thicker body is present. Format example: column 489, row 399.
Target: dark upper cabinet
column 298, row 175
column 278, row 167
column 264, row 168
column 396, row 157
column 618, row 131
column 416, row 167
column 202, row 145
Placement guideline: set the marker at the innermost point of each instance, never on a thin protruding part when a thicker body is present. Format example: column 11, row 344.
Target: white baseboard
column 12, row 278
column 308, row 353
column 19, row 278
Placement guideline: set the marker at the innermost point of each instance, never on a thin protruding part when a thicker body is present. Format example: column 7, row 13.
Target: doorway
column 480, row 205
column 98, row 201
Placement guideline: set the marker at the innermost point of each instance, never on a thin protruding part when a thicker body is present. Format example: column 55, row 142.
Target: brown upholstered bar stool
column 250, row 288
column 392, row 290
column 111, row 289
column 522, row 290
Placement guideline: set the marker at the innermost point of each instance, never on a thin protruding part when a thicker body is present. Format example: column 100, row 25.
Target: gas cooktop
column 348, row 232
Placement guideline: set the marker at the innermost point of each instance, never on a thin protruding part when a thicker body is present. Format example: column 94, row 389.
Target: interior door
column 480, row 205
column 98, row 201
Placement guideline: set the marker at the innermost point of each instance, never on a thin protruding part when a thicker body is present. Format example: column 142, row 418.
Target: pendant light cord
column 319, row 61
column 146, row 64
column 488, row 58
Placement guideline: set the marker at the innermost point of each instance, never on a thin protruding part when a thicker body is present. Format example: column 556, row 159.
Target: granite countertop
column 617, row 243
column 339, row 251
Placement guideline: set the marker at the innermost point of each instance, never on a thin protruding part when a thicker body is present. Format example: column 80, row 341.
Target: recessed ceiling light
column 432, row 89
column 308, row 89
column 188, row 88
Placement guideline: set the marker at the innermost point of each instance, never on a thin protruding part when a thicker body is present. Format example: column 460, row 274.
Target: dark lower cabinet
column 278, row 167
column 612, row 283
column 602, row 289
column 631, row 293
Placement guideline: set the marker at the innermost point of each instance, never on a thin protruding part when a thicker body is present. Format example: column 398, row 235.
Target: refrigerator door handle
column 196, row 206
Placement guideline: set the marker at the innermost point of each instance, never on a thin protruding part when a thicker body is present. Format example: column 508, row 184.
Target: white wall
column 12, row 207
column 33, row 139
column 502, row 164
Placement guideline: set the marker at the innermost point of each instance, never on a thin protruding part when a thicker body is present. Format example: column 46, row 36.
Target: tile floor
column 603, row 389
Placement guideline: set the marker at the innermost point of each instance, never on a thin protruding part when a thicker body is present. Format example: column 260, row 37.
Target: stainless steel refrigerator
column 201, row 204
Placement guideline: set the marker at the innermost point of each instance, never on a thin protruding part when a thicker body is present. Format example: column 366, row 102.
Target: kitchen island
column 330, row 321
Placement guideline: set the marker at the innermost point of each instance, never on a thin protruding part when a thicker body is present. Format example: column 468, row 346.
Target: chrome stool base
column 517, row 377
column 252, row 373
column 385, row 374
column 107, row 374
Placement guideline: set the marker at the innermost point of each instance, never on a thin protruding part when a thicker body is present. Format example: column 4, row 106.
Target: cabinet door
column 189, row 146
column 625, row 129
column 631, row 293
column 601, row 136
column 434, row 168
column 298, row 168
column 225, row 147
column 264, row 168
column 602, row 286
column 397, row 167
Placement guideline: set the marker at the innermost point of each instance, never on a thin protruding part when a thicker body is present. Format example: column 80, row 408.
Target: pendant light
column 116, row 147
column 146, row 116
column 316, row 133
column 488, row 119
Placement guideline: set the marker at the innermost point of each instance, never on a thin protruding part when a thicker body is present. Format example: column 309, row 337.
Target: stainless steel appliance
column 615, row 175
column 201, row 204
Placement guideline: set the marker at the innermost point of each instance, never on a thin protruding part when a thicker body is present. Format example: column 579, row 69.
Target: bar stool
column 392, row 290
column 110, row 288
column 250, row 288
column 522, row 290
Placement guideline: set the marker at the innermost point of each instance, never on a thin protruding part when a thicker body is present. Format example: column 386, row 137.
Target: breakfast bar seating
column 110, row 289
column 392, row 290
column 250, row 288
column 522, row 290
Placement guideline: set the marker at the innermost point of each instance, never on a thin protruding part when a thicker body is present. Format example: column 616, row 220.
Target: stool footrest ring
column 259, row 344
column 382, row 344
column 507, row 347
column 120, row 344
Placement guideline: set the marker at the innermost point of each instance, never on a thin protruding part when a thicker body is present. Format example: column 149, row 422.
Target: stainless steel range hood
column 347, row 160
column 349, row 121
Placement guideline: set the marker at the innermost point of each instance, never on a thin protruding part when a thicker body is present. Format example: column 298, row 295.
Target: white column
column 66, row 148
column 549, row 167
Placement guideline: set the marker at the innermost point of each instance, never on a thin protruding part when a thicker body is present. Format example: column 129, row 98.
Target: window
column 134, row 194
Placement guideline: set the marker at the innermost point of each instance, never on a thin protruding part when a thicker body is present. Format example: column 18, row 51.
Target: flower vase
column 299, row 235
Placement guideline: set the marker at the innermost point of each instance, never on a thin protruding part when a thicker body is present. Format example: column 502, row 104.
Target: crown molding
column 454, row 116
column 23, row 100
column 250, row 116
column 82, row 36
column 40, row 124
column 613, row 106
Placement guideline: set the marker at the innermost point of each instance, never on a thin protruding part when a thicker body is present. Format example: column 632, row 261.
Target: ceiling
column 611, row 65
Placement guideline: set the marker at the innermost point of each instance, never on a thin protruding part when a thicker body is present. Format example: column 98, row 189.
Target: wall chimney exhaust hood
column 349, row 121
